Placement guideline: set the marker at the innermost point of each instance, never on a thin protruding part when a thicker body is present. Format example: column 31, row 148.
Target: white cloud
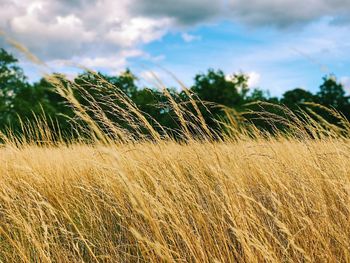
column 137, row 30
column 104, row 31
column 110, row 64
column 189, row 38
column 103, row 62
column 346, row 83
column 91, row 30
column 254, row 79
column 55, row 29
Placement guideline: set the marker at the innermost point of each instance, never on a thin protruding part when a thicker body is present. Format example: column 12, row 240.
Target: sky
column 279, row 44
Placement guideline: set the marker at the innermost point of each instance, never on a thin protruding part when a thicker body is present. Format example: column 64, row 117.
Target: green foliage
column 295, row 98
column 12, row 81
column 332, row 93
column 214, row 89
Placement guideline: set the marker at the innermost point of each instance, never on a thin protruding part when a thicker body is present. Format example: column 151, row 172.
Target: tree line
column 22, row 101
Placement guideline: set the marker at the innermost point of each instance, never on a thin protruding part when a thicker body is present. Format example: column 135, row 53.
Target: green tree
column 258, row 95
column 332, row 93
column 12, row 80
column 294, row 99
column 215, row 87
column 124, row 82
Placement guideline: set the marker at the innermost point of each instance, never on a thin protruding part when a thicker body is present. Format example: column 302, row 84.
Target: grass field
column 244, row 198
column 252, row 201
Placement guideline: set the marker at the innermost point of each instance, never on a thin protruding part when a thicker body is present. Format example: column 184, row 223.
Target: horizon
column 279, row 50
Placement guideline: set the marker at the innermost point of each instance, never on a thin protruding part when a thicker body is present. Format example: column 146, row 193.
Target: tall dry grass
column 247, row 197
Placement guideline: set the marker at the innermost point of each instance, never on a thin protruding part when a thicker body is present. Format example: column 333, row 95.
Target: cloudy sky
column 281, row 44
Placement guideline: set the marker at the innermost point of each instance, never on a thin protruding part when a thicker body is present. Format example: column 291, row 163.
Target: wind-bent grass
column 276, row 200
column 248, row 197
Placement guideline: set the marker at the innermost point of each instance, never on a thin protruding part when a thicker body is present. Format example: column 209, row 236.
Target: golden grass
column 139, row 196
column 251, row 201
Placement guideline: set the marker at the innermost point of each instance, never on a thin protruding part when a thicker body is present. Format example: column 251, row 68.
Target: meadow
column 245, row 196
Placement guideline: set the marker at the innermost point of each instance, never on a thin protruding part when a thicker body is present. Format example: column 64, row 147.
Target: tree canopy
column 19, row 98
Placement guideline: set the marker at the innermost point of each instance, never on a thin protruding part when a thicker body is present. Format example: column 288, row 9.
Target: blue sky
column 280, row 44
column 276, row 59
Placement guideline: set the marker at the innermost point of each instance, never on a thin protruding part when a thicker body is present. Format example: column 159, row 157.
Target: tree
column 332, row 93
column 258, row 95
column 294, row 99
column 215, row 87
column 12, row 80
column 124, row 81
column 156, row 106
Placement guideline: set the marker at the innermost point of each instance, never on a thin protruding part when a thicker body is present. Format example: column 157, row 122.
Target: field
column 248, row 163
column 239, row 196
column 249, row 200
